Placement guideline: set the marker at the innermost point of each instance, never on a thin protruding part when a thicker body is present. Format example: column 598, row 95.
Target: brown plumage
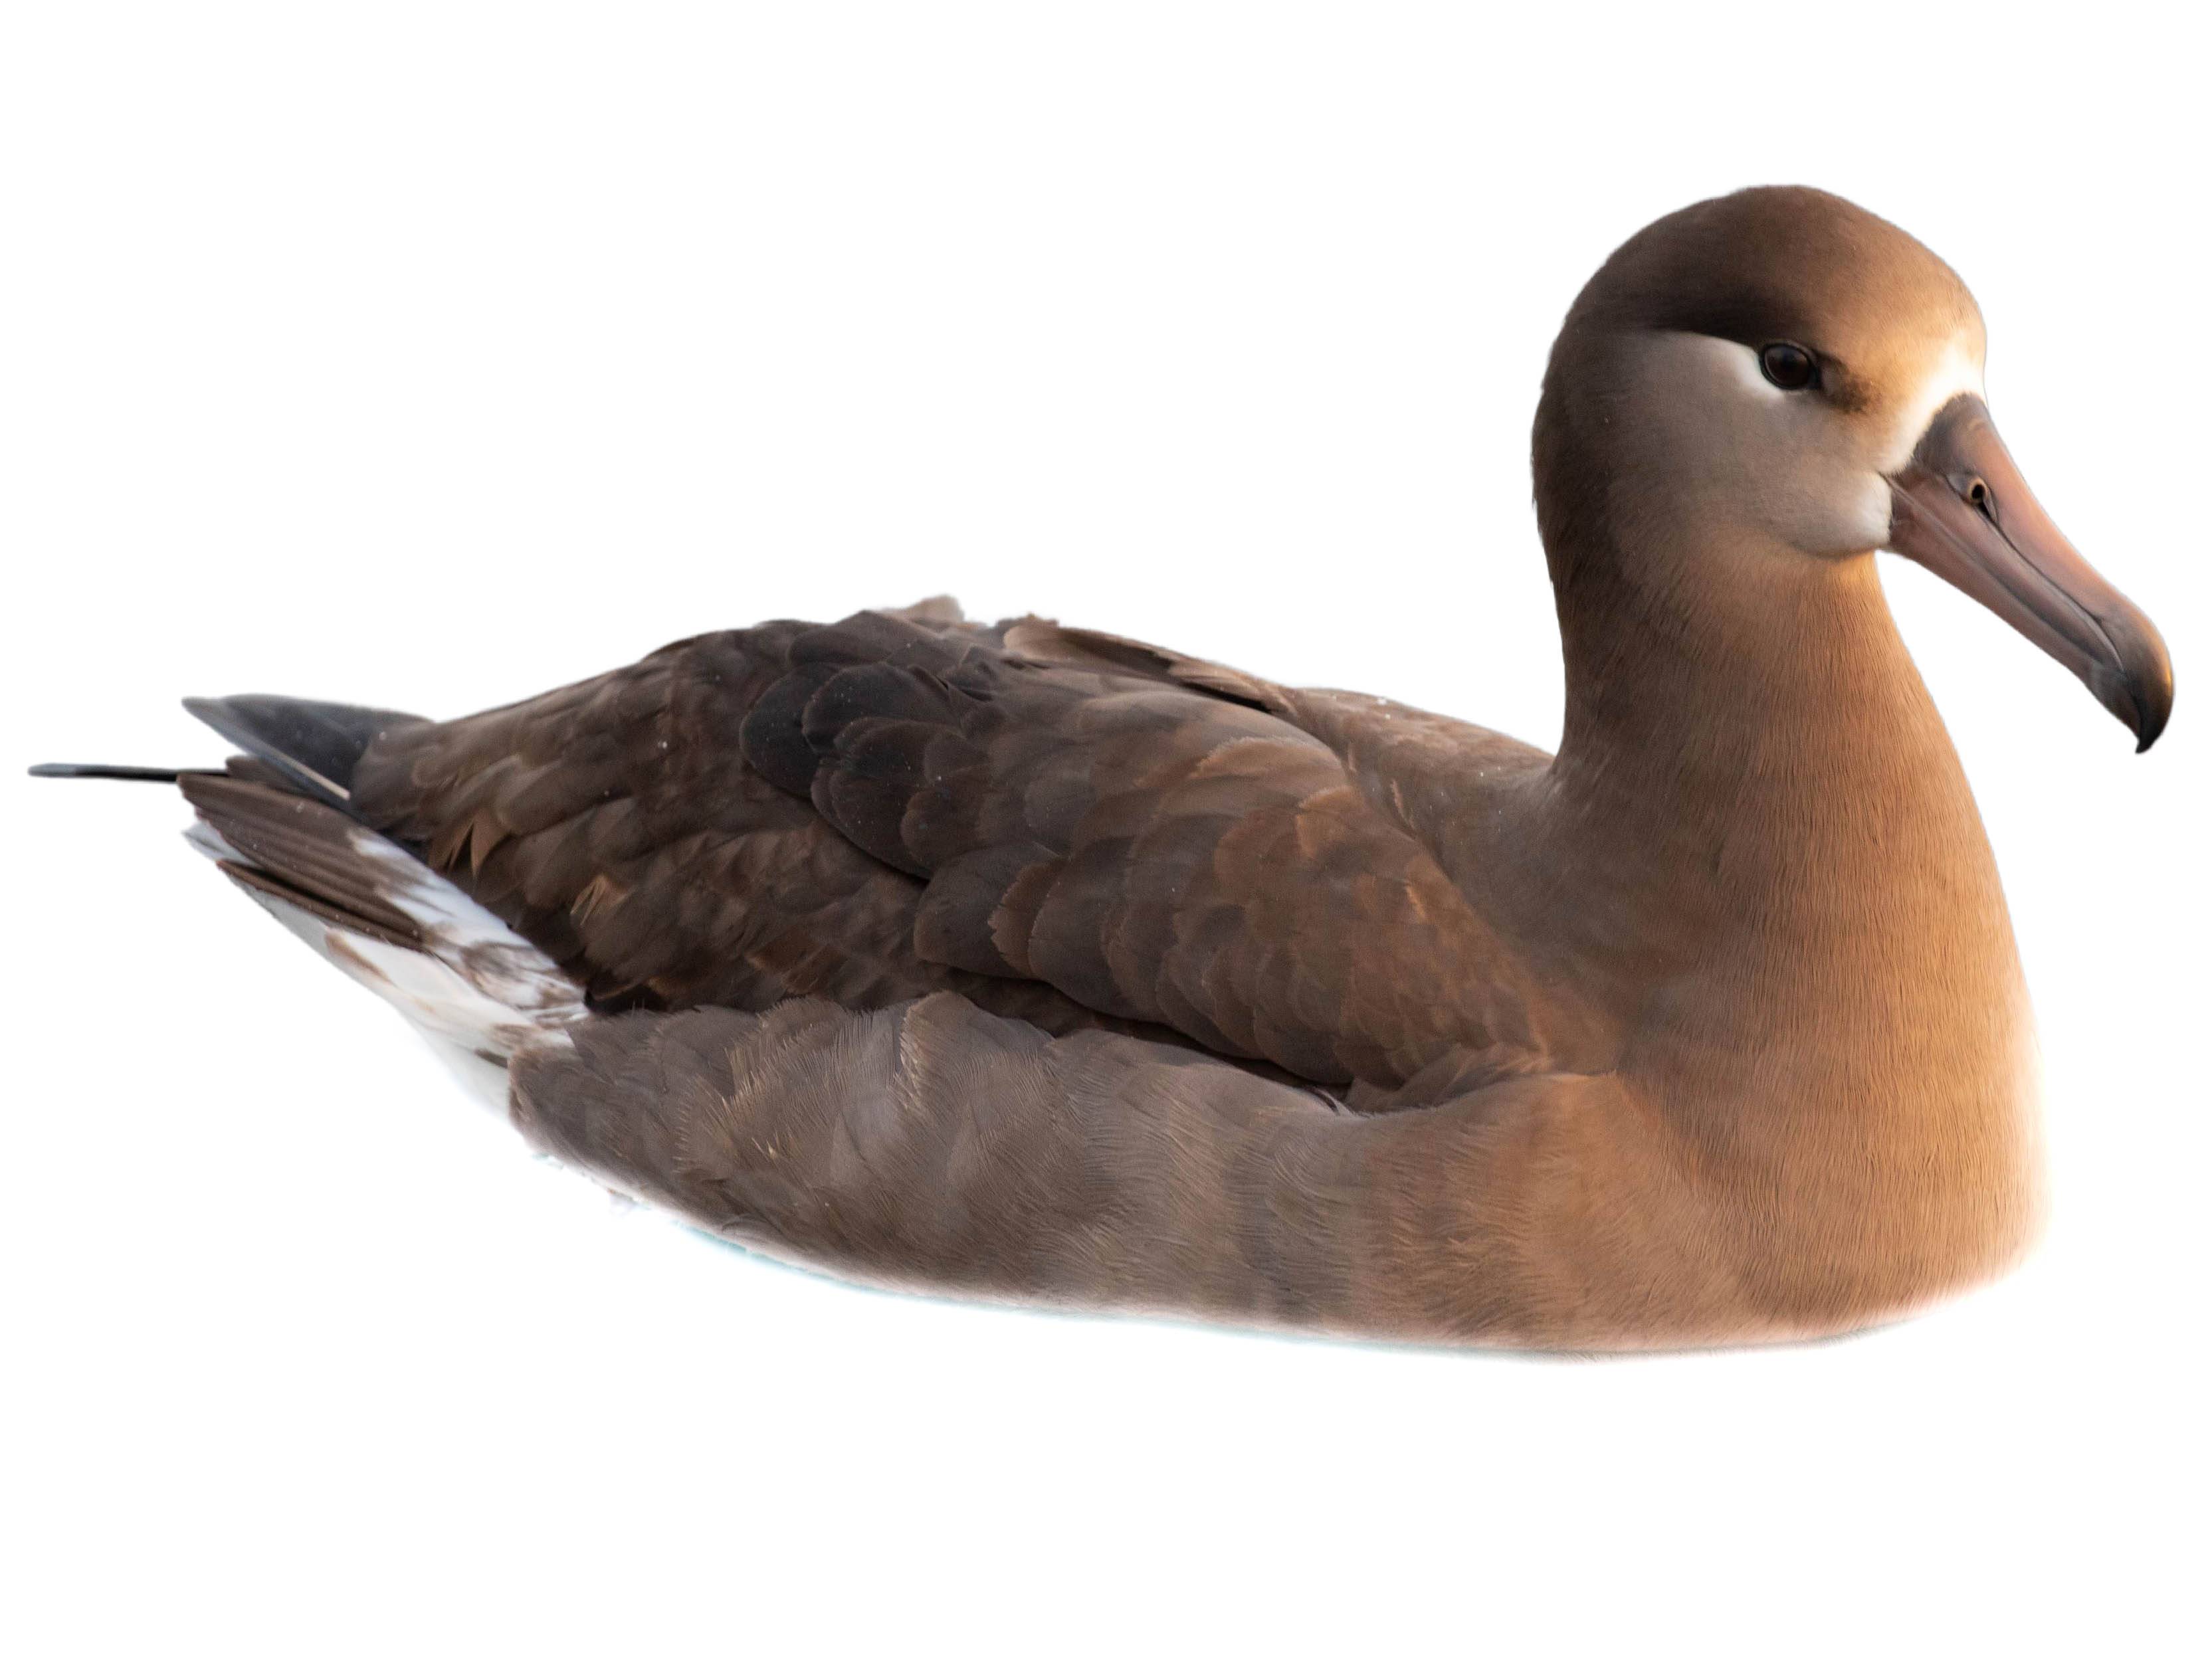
column 882, row 808
column 1052, row 966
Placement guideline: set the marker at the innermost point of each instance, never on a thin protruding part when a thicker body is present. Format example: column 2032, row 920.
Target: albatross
column 1039, row 964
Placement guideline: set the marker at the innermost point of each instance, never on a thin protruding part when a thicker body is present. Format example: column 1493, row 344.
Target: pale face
column 1800, row 449
column 1774, row 379
column 1807, row 468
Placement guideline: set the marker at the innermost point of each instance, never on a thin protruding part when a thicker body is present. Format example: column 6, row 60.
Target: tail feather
column 388, row 919
column 316, row 746
column 100, row 769
column 313, row 746
column 277, row 822
column 304, row 844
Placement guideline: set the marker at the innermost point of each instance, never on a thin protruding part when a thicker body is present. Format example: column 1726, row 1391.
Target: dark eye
column 1789, row 367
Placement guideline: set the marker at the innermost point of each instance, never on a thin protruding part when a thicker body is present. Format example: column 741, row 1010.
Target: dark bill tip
column 1961, row 508
column 2139, row 688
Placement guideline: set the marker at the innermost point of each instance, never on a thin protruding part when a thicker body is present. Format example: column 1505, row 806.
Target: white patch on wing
column 506, row 969
column 208, row 843
column 1958, row 369
column 445, row 1001
column 479, row 990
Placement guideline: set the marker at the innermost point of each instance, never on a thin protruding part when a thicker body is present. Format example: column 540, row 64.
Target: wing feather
column 1064, row 826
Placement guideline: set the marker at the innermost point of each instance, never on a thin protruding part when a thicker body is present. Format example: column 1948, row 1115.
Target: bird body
column 1049, row 966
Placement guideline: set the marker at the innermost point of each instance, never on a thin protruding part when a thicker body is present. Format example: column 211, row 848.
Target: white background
column 434, row 355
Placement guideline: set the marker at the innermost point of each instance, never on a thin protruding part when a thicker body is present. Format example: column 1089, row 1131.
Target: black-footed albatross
column 1043, row 965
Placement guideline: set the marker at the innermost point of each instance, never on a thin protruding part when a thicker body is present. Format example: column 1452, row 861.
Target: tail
column 315, row 746
column 95, row 769
column 281, row 821
column 312, row 746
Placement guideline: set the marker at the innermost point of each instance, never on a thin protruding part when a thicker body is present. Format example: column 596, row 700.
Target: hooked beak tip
column 2152, row 701
column 1961, row 509
column 2137, row 681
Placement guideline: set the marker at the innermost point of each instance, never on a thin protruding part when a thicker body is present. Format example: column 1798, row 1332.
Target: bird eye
column 1789, row 367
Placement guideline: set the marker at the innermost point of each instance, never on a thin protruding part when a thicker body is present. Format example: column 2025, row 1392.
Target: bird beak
column 1960, row 507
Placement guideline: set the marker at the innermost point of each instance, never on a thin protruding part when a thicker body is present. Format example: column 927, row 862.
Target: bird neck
column 1753, row 772
column 1768, row 708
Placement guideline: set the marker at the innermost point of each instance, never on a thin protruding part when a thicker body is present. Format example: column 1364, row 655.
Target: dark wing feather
column 1149, row 835
column 314, row 746
column 1065, row 827
column 297, row 849
column 617, row 826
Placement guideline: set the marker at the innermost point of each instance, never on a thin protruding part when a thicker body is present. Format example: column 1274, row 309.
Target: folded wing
column 1065, row 827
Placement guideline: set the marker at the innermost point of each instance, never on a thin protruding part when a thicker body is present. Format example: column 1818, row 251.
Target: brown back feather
column 1066, row 828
